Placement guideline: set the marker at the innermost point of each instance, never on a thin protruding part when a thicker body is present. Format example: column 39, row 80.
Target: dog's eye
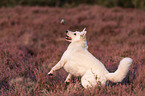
column 75, row 34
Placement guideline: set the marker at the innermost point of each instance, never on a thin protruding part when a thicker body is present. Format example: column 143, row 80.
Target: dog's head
column 75, row 36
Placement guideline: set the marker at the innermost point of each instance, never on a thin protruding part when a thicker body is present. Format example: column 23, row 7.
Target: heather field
column 32, row 42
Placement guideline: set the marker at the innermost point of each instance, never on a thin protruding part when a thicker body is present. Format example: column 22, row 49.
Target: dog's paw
column 50, row 74
column 67, row 83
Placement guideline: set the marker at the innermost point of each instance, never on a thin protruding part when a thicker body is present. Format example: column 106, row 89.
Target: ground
column 32, row 41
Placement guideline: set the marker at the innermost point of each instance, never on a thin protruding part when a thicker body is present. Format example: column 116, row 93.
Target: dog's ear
column 84, row 29
column 83, row 33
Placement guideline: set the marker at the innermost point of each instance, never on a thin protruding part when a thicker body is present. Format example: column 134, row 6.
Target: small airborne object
column 62, row 21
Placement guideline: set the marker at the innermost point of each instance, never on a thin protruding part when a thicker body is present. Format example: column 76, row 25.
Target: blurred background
column 72, row 3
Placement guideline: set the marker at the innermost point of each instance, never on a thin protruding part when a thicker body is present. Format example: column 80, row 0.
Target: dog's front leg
column 56, row 67
column 67, row 80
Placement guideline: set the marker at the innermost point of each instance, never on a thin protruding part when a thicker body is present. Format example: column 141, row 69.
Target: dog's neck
column 76, row 44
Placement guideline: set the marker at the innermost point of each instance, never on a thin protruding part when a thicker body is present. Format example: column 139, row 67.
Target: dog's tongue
column 69, row 38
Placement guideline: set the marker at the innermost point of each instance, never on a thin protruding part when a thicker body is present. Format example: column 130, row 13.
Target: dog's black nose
column 66, row 31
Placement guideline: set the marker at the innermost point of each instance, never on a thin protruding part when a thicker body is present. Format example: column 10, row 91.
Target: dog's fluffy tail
column 121, row 72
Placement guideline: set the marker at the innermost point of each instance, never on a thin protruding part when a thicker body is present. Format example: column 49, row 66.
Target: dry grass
column 31, row 42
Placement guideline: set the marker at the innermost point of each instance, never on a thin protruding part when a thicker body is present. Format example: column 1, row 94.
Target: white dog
column 78, row 61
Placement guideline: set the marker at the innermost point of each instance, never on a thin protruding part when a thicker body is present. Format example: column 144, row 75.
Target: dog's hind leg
column 56, row 67
column 88, row 79
column 67, row 80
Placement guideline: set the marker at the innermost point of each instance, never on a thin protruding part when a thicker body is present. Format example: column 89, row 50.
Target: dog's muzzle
column 67, row 37
column 66, row 31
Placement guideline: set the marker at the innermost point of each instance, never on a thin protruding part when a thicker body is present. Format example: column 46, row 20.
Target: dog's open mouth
column 67, row 37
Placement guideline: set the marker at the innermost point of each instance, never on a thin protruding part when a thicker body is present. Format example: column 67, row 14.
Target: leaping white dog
column 78, row 61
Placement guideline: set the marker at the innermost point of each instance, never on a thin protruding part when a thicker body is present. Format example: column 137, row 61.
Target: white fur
column 78, row 61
